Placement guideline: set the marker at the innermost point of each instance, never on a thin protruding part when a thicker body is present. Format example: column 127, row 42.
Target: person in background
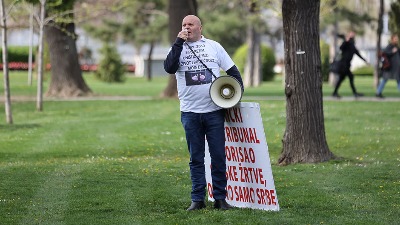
column 201, row 118
column 393, row 72
column 348, row 50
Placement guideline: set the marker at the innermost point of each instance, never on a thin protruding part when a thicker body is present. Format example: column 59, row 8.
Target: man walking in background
column 393, row 72
column 348, row 49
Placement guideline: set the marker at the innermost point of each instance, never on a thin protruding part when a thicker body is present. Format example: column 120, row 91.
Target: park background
column 118, row 156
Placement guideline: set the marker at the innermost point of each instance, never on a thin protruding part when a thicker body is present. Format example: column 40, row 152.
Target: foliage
column 144, row 22
column 349, row 14
column 18, row 54
column 224, row 23
column 267, row 61
column 324, row 60
column 56, row 6
column 111, row 68
column 364, row 71
column 394, row 17
column 106, row 33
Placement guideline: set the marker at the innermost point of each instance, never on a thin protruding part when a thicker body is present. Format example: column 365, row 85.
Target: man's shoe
column 222, row 204
column 336, row 95
column 197, row 206
column 358, row 95
column 379, row 95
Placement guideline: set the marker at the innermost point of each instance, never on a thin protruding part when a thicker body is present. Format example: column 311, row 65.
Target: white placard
column 249, row 174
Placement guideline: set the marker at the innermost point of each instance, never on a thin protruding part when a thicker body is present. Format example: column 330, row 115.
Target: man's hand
column 183, row 34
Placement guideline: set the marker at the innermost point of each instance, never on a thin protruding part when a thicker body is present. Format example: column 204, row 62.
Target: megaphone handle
column 215, row 77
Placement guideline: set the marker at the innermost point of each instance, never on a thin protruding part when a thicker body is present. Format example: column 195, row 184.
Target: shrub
column 324, row 60
column 364, row 71
column 267, row 61
column 18, row 54
column 111, row 68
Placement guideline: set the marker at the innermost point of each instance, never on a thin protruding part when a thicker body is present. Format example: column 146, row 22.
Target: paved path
column 328, row 98
column 141, row 98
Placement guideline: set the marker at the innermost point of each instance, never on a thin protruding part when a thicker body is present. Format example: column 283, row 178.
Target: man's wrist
column 179, row 41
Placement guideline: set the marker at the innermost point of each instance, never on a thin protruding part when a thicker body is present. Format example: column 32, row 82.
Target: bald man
column 200, row 116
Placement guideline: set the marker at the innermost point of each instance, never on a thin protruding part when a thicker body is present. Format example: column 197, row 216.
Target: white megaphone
column 226, row 91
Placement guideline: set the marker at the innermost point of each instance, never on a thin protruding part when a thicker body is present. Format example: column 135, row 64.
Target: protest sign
column 250, row 183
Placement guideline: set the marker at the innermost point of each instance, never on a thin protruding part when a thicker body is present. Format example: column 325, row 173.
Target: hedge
column 18, row 54
column 267, row 61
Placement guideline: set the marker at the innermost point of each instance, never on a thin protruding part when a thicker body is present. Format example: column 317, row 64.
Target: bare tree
column 30, row 60
column 7, row 95
column 177, row 10
column 304, row 139
column 39, row 94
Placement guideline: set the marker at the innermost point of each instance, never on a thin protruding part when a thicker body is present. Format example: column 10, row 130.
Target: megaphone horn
column 226, row 91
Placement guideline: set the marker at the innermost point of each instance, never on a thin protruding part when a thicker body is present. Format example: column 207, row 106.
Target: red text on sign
column 231, row 173
column 266, row 197
column 251, row 175
column 239, row 154
column 240, row 194
column 233, row 115
column 241, row 134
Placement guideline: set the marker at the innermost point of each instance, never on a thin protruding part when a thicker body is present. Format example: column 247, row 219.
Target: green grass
column 126, row 162
column 139, row 86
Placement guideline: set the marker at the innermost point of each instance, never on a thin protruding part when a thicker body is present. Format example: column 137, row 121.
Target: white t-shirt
column 194, row 80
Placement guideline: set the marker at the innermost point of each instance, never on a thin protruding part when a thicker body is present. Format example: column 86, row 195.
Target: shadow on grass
column 13, row 127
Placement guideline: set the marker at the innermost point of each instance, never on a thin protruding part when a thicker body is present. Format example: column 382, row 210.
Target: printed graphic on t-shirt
column 198, row 77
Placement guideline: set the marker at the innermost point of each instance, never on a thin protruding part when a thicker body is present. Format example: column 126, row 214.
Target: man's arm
column 234, row 72
column 171, row 63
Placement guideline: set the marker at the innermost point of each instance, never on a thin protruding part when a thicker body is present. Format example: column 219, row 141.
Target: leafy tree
column 304, row 140
column 59, row 31
column 144, row 23
column 224, row 22
column 111, row 68
column 347, row 13
column 394, row 17
column 250, row 28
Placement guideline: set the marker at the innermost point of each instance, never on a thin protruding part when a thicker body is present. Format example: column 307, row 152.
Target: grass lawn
column 138, row 86
column 126, row 162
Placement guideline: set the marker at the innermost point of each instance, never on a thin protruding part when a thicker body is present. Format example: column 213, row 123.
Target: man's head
column 193, row 26
column 394, row 39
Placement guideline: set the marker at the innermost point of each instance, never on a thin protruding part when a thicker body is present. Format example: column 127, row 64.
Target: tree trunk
column 30, row 59
column 378, row 42
column 39, row 93
column 252, row 69
column 7, row 102
column 177, row 10
column 149, row 61
column 66, row 74
column 333, row 78
column 304, row 140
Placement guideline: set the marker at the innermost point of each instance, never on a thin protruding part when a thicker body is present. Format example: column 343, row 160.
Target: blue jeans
column 199, row 126
column 382, row 83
